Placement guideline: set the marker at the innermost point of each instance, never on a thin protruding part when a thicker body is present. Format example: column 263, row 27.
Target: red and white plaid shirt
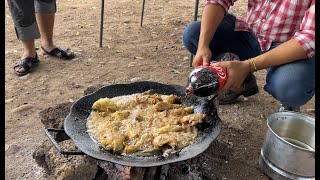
column 277, row 21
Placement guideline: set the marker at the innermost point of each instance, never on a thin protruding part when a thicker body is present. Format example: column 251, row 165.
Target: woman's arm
column 211, row 18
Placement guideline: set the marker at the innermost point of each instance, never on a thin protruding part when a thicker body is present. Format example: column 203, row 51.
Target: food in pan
column 143, row 123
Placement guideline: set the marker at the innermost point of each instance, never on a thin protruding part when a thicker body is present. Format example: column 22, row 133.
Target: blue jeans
column 292, row 84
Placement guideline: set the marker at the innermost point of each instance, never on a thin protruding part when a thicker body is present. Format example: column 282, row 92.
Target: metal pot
column 288, row 151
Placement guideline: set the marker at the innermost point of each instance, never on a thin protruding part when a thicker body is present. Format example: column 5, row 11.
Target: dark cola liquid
column 204, row 82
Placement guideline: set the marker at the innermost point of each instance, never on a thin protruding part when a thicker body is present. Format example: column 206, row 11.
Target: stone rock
column 115, row 171
column 70, row 167
column 39, row 155
column 92, row 89
column 13, row 149
column 53, row 117
column 101, row 174
column 150, row 173
column 236, row 126
column 195, row 168
column 135, row 79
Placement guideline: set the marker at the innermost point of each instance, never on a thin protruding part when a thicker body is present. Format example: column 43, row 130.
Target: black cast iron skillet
column 75, row 125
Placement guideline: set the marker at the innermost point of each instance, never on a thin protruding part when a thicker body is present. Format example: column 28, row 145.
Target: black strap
column 63, row 51
column 25, row 63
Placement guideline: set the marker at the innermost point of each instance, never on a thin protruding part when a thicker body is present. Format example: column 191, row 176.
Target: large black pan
column 75, row 124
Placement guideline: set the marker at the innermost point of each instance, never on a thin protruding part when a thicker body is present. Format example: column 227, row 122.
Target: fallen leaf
column 138, row 57
column 109, row 47
column 119, row 51
column 176, row 71
column 77, row 34
column 8, row 100
column 7, row 147
column 131, row 64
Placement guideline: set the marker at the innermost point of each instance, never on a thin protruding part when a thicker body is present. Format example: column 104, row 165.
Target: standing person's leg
column 27, row 31
column 45, row 13
column 292, row 84
column 225, row 39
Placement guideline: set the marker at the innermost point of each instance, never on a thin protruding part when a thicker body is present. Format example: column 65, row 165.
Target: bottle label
column 221, row 72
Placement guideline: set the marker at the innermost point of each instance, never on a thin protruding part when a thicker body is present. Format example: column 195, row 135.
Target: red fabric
column 278, row 21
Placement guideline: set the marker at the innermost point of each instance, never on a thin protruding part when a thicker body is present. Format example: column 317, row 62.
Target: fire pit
column 58, row 165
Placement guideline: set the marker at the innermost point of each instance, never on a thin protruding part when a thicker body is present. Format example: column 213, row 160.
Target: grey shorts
column 24, row 18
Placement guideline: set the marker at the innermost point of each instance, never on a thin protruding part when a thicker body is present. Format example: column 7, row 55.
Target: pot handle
column 56, row 145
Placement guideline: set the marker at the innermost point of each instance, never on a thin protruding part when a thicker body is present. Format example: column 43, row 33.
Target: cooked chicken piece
column 177, row 112
column 125, row 104
column 154, row 100
column 163, row 139
column 170, row 99
column 143, row 123
column 118, row 143
column 141, row 98
column 120, row 115
column 161, row 106
column 132, row 130
column 106, row 143
column 145, row 138
column 189, row 110
column 193, row 119
column 168, row 128
column 129, row 149
column 104, row 105
column 149, row 92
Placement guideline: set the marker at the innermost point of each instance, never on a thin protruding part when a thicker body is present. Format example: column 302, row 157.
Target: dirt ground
column 129, row 53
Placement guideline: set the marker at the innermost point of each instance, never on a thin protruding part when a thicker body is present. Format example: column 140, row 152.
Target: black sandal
column 28, row 64
column 61, row 53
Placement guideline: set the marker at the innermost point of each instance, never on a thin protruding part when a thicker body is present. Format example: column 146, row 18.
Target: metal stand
column 101, row 23
column 142, row 13
column 195, row 18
